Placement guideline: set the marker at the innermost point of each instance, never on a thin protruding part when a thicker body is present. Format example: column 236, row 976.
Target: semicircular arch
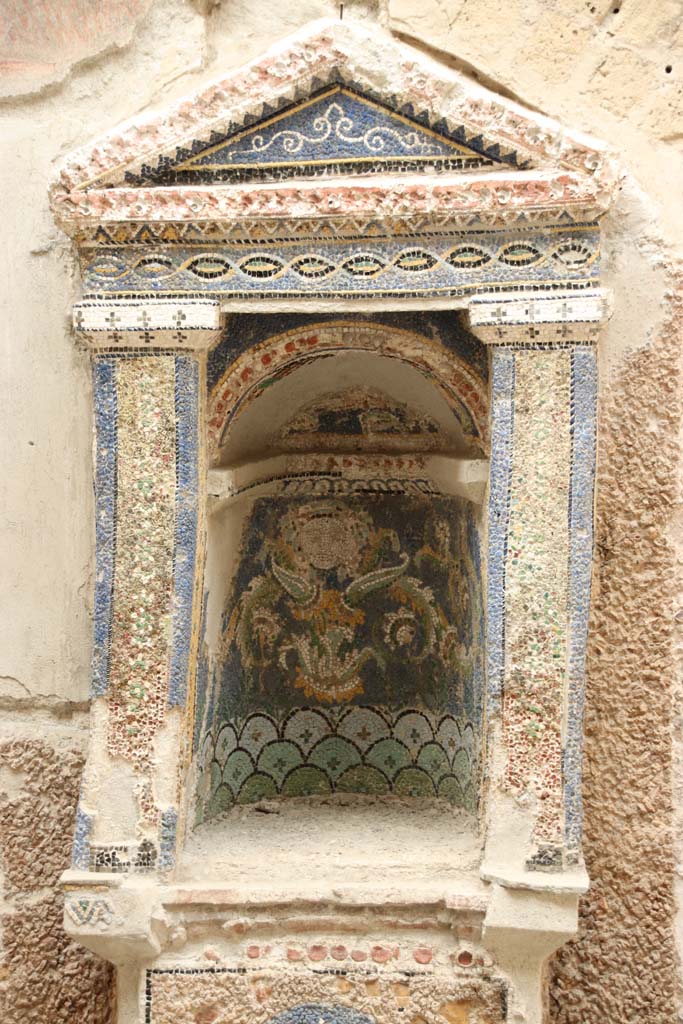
column 255, row 369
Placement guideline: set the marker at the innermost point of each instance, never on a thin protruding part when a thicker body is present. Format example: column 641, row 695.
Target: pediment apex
column 370, row 64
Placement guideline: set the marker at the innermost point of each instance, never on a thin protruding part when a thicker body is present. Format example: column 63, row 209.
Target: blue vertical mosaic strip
column 104, row 373
column 186, row 507
column 502, row 418
column 584, row 395
column 80, row 852
column 167, row 838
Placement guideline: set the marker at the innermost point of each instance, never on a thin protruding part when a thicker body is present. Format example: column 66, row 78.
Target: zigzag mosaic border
column 178, row 170
column 264, row 230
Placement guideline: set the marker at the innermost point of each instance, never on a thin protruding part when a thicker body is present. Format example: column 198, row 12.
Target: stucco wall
column 612, row 69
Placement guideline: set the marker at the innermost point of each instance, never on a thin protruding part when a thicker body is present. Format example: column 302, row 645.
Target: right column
column 540, row 537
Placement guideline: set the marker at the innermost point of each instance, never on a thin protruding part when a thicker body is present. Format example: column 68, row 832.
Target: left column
column 149, row 374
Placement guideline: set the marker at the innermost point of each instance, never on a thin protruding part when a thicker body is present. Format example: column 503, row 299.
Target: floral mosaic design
column 373, row 602
column 340, row 597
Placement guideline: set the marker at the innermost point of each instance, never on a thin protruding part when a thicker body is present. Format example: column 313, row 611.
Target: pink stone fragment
column 380, row 954
column 423, row 955
column 339, row 952
column 358, row 955
column 317, row 952
column 253, row 952
column 295, row 954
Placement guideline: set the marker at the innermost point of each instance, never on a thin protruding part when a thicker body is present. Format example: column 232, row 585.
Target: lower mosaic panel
column 278, row 996
column 314, row 752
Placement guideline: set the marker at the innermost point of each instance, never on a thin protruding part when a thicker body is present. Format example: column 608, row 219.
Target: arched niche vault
column 343, row 638
column 343, row 307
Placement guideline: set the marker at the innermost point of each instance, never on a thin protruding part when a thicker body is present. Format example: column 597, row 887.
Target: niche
column 343, row 629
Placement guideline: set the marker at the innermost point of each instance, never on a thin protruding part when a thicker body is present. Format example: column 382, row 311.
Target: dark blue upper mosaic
column 244, row 331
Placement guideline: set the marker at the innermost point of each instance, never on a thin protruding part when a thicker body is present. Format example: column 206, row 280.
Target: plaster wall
column 611, row 69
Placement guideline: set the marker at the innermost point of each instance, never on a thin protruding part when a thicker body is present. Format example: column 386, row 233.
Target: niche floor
column 294, row 850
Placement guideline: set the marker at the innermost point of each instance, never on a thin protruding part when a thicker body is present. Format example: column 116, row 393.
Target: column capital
column 148, row 323
column 539, row 318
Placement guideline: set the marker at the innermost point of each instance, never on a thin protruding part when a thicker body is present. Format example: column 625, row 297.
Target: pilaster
column 148, row 370
column 544, row 392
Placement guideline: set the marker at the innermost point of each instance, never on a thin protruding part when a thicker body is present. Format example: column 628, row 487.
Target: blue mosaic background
column 319, row 1013
column 502, row 419
column 334, row 126
column 186, row 507
column 338, row 126
column 104, row 386
column 583, row 425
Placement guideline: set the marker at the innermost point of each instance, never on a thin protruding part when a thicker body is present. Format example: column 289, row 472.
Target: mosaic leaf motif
column 262, row 266
column 154, row 266
column 364, row 265
column 415, row 260
column 520, row 254
column 350, row 657
column 209, row 267
column 312, row 266
column 468, row 256
column 573, row 254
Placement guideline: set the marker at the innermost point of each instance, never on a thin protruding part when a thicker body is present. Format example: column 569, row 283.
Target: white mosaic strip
column 541, row 319
column 153, row 323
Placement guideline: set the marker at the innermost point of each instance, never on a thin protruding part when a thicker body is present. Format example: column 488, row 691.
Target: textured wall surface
column 610, row 68
column 623, row 965
column 44, row 975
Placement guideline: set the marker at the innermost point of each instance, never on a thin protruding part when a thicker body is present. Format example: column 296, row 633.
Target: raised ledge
column 503, row 192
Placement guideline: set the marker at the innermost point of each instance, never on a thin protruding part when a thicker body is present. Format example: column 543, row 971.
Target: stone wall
column 611, row 69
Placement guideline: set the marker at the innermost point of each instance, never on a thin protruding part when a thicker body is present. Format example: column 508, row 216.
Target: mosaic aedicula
column 350, row 651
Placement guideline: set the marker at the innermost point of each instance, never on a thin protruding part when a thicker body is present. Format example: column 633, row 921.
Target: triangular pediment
column 338, row 129
column 335, row 99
